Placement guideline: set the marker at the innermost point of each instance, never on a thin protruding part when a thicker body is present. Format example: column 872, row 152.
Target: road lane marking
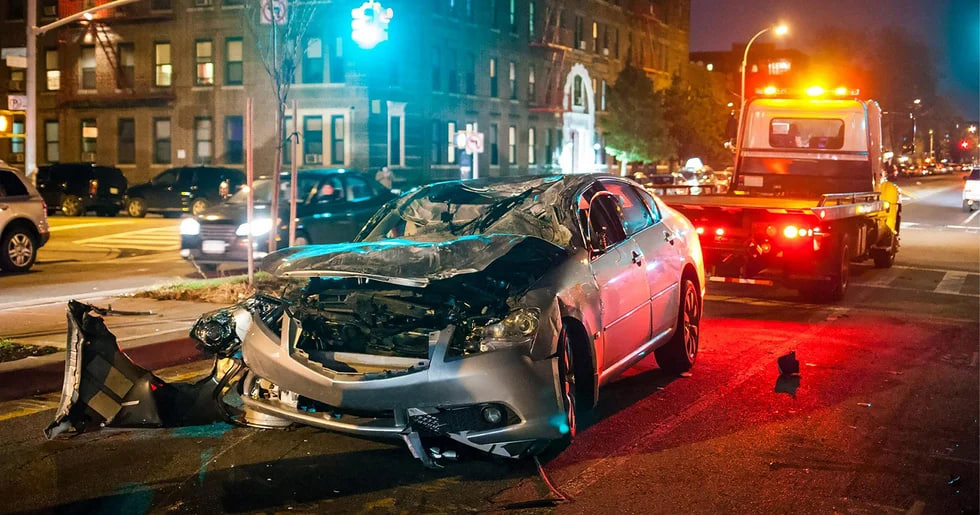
column 56, row 228
column 967, row 227
column 919, row 290
column 157, row 238
column 881, row 278
column 952, row 282
column 971, row 217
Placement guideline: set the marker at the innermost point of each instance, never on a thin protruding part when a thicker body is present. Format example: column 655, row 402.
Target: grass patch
column 224, row 290
column 10, row 351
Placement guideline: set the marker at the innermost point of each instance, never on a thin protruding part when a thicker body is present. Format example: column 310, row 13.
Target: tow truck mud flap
column 103, row 387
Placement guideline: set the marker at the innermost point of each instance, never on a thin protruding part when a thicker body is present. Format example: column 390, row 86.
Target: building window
column 436, row 75
column 595, row 37
column 313, row 139
column 395, row 141
column 513, row 16
column 90, row 136
column 234, row 71
column 580, row 33
column 549, row 147
column 52, row 143
column 18, row 77
column 778, row 67
column 494, row 154
column 49, row 9
column 204, row 60
column 435, row 155
column 512, row 77
column 530, row 18
column 532, row 151
column 337, row 139
column 17, row 144
column 52, row 72
column 531, row 91
column 161, row 140
column 127, row 66
column 15, row 10
column 233, row 2
column 203, row 140
column 512, row 145
column 161, row 5
column 126, row 147
column 87, row 62
column 451, row 142
column 337, row 62
column 453, row 86
column 578, row 92
column 313, row 61
column 494, row 14
column 469, row 10
column 162, row 66
column 470, row 74
column 493, row 78
column 602, row 98
column 234, row 150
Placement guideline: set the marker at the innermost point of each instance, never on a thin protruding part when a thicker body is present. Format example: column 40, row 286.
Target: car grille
column 223, row 232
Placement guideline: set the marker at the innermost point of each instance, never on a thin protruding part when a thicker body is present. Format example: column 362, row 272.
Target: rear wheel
column 18, row 250
column 136, row 207
column 679, row 354
column 71, row 205
column 833, row 290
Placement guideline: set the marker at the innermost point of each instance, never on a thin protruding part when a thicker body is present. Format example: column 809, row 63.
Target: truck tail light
column 719, row 231
column 790, row 231
column 700, row 230
column 93, row 186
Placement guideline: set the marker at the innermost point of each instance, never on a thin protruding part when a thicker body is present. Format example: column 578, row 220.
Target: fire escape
column 553, row 41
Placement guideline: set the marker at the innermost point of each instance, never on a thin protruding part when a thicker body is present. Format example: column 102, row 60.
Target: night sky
column 950, row 27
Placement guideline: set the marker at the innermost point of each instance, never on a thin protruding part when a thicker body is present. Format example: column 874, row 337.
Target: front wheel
column 679, row 354
column 18, row 250
column 566, row 372
column 136, row 207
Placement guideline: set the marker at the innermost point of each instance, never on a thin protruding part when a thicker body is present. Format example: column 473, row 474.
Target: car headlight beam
column 190, row 227
column 260, row 226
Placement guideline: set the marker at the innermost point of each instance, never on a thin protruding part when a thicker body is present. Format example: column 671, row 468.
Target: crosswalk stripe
column 882, row 278
column 952, row 282
column 157, row 238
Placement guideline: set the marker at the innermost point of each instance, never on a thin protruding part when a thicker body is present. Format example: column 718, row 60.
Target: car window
column 358, row 189
column 606, row 225
column 635, row 215
column 651, row 204
column 186, row 178
column 11, row 185
column 329, row 190
column 167, row 178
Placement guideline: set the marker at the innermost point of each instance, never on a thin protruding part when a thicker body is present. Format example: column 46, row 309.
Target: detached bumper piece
column 103, row 387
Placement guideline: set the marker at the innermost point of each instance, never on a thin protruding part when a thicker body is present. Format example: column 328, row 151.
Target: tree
column 697, row 112
column 279, row 47
column 636, row 130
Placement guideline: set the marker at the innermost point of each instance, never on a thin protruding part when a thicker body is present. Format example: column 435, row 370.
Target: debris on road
column 788, row 364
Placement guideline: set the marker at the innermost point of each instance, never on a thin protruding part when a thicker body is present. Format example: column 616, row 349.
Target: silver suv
column 23, row 221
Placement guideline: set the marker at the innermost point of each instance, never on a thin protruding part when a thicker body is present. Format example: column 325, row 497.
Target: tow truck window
column 815, row 133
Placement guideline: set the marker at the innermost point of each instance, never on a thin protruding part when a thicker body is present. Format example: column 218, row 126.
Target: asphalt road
column 883, row 419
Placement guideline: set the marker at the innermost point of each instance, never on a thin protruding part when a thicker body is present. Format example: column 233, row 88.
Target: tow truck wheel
column 833, row 289
column 885, row 258
column 678, row 355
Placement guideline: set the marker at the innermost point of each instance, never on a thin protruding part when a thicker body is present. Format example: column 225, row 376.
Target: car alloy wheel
column 70, row 206
column 198, row 206
column 692, row 320
column 20, row 249
column 566, row 371
column 136, row 208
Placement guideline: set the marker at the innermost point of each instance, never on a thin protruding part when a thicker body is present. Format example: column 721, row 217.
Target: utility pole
column 30, row 125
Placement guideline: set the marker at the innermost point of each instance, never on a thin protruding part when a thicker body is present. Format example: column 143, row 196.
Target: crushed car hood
column 405, row 262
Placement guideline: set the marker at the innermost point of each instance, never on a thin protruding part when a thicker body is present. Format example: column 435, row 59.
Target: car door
column 662, row 259
column 161, row 194
column 617, row 264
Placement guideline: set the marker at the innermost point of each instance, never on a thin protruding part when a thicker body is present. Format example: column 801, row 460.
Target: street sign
column 273, row 11
column 17, row 102
column 474, row 143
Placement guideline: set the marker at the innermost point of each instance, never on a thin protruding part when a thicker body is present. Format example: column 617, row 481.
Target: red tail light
column 700, row 230
column 719, row 231
column 93, row 186
column 790, row 231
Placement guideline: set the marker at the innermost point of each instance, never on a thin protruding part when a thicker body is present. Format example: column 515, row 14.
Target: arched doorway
column 578, row 122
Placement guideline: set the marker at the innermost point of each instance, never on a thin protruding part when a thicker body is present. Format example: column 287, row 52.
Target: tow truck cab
column 807, row 198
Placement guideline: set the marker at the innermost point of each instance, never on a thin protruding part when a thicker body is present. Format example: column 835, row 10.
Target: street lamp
column 779, row 30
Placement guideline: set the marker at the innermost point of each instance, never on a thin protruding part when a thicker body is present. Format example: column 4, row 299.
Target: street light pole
column 30, row 125
column 779, row 30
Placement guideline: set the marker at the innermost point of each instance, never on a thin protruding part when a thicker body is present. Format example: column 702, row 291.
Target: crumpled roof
column 412, row 263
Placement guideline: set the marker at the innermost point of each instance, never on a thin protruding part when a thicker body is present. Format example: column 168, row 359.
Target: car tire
column 18, row 250
column 71, row 205
column 885, row 258
column 834, row 289
column 198, row 206
column 681, row 351
column 566, row 376
column 136, row 207
column 968, row 207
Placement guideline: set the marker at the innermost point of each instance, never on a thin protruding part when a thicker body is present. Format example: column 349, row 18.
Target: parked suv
column 333, row 205
column 186, row 189
column 23, row 221
column 76, row 188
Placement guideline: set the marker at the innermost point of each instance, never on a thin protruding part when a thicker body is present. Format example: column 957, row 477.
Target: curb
column 47, row 376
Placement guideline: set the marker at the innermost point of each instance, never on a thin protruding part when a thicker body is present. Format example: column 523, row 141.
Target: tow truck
column 807, row 198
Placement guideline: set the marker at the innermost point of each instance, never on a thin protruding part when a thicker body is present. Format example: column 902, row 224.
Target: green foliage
column 697, row 114
column 635, row 127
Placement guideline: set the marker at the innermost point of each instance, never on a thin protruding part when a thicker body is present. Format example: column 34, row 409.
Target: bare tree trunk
column 276, row 170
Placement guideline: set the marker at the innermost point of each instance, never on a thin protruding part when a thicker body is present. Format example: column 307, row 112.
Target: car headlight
column 190, row 227
column 517, row 329
column 260, row 226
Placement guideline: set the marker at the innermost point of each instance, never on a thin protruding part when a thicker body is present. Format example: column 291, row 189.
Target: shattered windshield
column 450, row 210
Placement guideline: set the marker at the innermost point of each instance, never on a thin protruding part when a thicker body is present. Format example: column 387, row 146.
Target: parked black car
column 76, row 188
column 186, row 189
column 333, row 205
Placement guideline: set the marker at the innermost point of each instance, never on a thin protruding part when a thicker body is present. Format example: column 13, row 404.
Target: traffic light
column 965, row 144
column 369, row 24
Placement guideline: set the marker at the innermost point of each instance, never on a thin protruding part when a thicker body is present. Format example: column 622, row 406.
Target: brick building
column 161, row 83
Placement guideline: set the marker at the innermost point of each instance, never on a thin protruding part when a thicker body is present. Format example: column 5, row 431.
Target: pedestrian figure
column 384, row 177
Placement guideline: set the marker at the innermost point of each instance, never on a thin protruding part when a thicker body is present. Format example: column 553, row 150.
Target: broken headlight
column 215, row 331
column 516, row 329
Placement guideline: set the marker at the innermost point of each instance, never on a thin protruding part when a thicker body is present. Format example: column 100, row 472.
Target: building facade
column 162, row 83
column 781, row 68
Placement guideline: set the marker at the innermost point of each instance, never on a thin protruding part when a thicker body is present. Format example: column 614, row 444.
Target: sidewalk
column 154, row 340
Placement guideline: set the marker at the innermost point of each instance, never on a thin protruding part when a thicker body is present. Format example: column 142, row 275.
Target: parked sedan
column 485, row 312
column 186, row 189
column 332, row 207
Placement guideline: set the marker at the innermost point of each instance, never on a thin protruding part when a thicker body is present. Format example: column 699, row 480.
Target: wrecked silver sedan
column 486, row 312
